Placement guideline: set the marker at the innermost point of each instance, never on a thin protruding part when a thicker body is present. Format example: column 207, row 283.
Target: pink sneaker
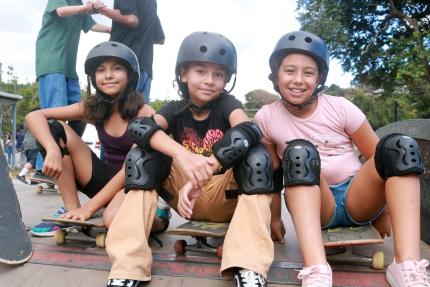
column 316, row 276
column 408, row 273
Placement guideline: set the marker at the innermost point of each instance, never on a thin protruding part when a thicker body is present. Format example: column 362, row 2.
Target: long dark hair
column 97, row 109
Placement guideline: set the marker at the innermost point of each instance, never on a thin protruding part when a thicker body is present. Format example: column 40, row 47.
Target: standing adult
column 135, row 23
column 56, row 52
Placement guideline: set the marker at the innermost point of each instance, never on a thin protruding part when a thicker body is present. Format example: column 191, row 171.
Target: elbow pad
column 235, row 144
column 141, row 129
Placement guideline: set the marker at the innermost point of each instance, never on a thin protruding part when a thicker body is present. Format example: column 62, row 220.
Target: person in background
column 56, row 52
column 136, row 24
column 30, row 149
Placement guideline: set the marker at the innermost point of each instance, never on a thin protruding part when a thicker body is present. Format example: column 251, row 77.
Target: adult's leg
column 144, row 85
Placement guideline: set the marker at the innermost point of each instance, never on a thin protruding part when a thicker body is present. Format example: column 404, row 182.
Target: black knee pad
column 301, row 163
column 58, row 133
column 146, row 169
column 78, row 127
column 254, row 174
column 397, row 154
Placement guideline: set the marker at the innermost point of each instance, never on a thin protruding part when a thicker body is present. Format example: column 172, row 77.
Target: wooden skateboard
column 45, row 185
column 200, row 230
column 15, row 242
column 92, row 230
column 339, row 243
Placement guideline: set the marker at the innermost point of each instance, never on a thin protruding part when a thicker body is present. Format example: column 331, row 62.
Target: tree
column 258, row 98
column 382, row 43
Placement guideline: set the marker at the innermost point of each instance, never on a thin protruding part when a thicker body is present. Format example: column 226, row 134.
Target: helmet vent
column 203, row 49
column 114, row 45
column 222, row 52
column 291, row 38
column 308, row 39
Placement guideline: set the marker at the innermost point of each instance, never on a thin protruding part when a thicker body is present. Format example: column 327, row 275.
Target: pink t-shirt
column 328, row 128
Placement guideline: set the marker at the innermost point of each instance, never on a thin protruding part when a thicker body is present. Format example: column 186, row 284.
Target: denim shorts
column 341, row 216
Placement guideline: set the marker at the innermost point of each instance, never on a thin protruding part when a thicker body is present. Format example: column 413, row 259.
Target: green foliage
column 382, row 43
column 158, row 104
column 258, row 98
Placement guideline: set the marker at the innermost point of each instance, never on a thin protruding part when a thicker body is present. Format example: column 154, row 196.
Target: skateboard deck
column 339, row 243
column 91, row 230
column 45, row 185
column 15, row 242
column 200, row 230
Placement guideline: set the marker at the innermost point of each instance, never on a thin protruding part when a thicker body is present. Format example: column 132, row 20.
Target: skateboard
column 15, row 242
column 92, row 230
column 200, row 231
column 45, row 185
column 340, row 242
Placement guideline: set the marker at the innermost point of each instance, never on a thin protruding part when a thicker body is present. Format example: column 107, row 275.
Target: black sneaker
column 21, row 178
column 122, row 283
column 248, row 278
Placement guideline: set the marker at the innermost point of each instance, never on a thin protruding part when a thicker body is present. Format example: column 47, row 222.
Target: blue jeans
column 144, row 86
column 56, row 90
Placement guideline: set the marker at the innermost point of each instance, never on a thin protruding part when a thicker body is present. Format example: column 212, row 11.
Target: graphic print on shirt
column 191, row 141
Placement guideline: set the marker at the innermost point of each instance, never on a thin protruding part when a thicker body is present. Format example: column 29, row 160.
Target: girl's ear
column 183, row 75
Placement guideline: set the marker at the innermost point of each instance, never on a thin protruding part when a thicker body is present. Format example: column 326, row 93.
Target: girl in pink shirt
column 312, row 136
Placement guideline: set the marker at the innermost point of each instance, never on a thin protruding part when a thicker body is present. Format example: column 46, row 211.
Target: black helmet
column 300, row 42
column 117, row 50
column 207, row 47
column 111, row 49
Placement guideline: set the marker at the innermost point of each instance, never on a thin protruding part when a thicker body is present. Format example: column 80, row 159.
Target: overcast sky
column 253, row 26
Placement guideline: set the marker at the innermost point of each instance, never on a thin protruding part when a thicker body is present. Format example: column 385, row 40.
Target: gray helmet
column 207, row 47
column 300, row 42
column 111, row 49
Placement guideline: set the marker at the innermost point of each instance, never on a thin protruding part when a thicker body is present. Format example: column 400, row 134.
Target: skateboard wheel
column 60, row 237
column 219, row 251
column 39, row 189
column 180, row 247
column 378, row 260
column 100, row 240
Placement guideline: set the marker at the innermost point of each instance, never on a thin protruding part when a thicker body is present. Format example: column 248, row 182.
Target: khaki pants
column 247, row 244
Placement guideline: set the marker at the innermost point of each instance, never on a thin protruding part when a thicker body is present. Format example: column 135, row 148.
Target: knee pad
column 78, row 127
column 255, row 173
column 235, row 144
column 58, row 133
column 146, row 169
column 140, row 130
column 397, row 154
column 301, row 164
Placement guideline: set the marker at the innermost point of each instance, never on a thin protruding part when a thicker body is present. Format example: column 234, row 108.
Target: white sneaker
column 316, row 276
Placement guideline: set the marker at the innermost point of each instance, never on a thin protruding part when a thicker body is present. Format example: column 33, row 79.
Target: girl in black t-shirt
column 198, row 178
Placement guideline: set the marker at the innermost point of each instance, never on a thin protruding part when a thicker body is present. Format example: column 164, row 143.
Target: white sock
column 162, row 204
column 23, row 172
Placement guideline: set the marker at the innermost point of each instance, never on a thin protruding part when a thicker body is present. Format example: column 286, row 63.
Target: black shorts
column 101, row 175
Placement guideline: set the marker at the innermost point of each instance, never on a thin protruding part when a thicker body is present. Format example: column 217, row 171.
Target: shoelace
column 415, row 273
column 251, row 278
column 315, row 276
